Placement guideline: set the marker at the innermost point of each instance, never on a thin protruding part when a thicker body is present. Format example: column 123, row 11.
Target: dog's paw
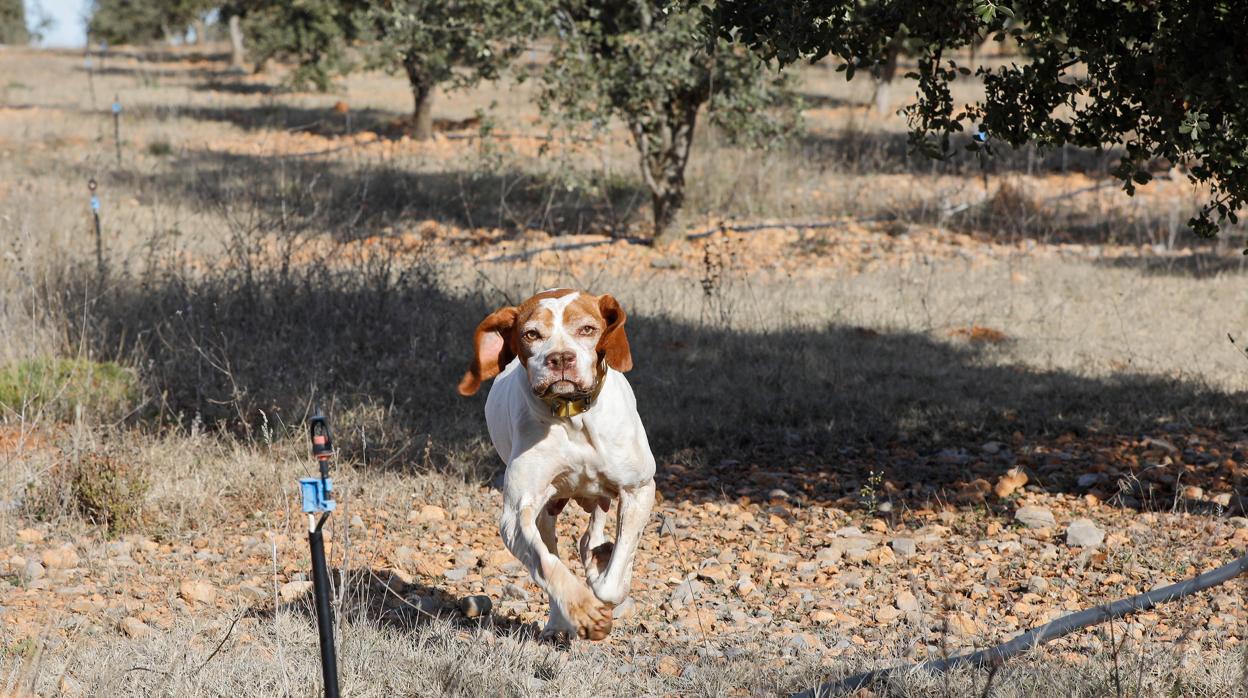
column 592, row 618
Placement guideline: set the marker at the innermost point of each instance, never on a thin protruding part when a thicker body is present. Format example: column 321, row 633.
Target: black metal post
column 324, row 617
column 317, row 500
column 90, row 66
column 95, row 215
column 117, row 126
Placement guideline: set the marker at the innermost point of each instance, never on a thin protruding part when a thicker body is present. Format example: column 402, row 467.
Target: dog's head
column 561, row 337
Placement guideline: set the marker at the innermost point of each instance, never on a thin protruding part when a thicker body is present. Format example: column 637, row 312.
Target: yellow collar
column 566, row 407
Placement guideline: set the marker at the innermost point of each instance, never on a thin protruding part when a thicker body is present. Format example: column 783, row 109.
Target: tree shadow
column 1194, row 265
column 887, row 152
column 363, row 200
column 812, row 411
column 320, row 121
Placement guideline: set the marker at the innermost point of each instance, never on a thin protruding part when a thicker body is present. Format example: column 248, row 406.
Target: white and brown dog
column 563, row 418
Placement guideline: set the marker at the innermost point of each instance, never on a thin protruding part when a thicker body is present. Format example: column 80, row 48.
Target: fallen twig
column 995, row 656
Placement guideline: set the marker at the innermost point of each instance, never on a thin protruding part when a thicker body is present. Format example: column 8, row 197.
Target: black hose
column 324, row 621
column 1065, row 625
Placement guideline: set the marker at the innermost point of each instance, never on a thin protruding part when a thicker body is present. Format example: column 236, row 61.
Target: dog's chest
column 582, row 469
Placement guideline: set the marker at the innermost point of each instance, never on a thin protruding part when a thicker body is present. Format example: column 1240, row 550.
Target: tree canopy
column 645, row 64
column 1164, row 83
column 13, row 22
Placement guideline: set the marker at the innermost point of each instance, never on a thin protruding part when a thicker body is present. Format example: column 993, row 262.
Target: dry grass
column 438, row 658
column 210, row 297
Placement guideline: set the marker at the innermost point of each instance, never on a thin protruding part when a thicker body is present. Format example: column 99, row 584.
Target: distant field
column 854, row 348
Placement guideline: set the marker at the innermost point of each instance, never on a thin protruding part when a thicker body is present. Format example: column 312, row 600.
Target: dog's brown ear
column 492, row 349
column 614, row 343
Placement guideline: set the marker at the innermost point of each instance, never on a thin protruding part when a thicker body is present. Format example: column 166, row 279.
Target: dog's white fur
column 594, row 457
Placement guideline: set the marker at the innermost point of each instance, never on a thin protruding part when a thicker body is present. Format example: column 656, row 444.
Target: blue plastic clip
column 116, row 107
column 95, row 203
column 316, row 494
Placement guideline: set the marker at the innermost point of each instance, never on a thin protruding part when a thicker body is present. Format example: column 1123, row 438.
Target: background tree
column 644, row 63
column 316, row 35
column 433, row 42
column 1166, row 82
column 13, row 22
column 142, row 21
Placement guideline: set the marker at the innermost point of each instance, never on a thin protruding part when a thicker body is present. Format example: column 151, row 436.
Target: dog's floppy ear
column 614, row 343
column 492, row 349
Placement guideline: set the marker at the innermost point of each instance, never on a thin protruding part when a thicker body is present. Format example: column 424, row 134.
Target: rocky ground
column 899, row 566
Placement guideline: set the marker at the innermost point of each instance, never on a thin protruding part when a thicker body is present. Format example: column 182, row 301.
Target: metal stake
column 316, row 499
column 95, row 215
column 117, row 126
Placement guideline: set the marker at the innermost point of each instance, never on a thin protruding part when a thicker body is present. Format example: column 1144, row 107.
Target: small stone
column 805, row 642
column 777, row 494
column 63, row 557
column 476, row 606
column 31, row 571
column 69, row 687
column 1087, row 480
column 887, row 614
column 822, row 616
column 849, row 532
column 1222, row 499
column 829, row 556
column 198, row 592
column 30, row 535
column 963, row 624
column 744, row 586
column 1035, row 517
column 457, row 574
column 1224, row 602
column 134, row 628
column 252, row 592
column 1193, row 492
column 668, row 666
column 357, row 521
column 1038, row 585
column 1010, row 482
column 514, row 591
column 428, row 514
column 906, row 601
column 291, row 591
column 684, row 593
column 1083, row 533
column 905, row 547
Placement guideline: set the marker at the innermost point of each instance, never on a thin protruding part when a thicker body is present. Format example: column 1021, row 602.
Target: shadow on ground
column 321, row 121
column 359, row 200
column 812, row 411
column 388, row 599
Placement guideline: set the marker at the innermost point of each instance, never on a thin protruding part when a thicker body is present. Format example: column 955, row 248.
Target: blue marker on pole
column 95, row 204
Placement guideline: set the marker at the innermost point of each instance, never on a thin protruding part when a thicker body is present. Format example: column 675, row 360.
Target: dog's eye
column 588, row 330
column 532, row 335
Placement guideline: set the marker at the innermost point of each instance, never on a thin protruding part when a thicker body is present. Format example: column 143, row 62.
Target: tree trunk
column 422, row 98
column 663, row 167
column 237, row 54
column 887, row 71
column 201, row 31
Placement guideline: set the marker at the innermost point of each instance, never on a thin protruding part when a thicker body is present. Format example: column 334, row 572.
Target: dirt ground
column 977, row 420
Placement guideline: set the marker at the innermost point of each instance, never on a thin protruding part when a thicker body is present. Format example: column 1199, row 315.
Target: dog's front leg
column 574, row 608
column 633, row 515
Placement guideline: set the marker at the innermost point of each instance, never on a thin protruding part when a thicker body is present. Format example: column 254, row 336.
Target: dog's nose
column 561, row 360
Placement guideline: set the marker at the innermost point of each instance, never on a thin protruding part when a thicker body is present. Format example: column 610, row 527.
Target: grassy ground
column 264, row 254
